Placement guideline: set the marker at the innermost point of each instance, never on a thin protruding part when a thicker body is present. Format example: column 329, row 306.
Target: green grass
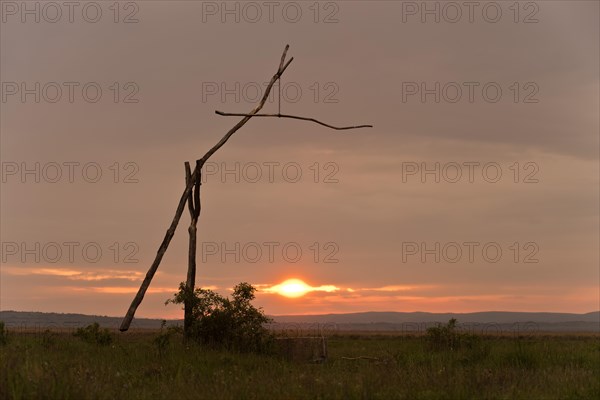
column 60, row 366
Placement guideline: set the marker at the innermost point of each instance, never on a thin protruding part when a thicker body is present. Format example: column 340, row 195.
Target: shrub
column 218, row 321
column 93, row 334
column 445, row 337
column 3, row 334
column 163, row 339
column 48, row 338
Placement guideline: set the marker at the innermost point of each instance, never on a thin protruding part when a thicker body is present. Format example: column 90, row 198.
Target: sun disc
column 293, row 288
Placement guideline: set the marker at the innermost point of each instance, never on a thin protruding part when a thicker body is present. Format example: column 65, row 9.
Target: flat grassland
column 360, row 366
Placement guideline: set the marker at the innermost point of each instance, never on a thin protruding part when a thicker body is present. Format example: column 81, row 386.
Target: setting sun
column 292, row 288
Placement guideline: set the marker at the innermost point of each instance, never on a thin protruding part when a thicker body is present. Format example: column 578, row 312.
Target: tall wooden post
column 194, row 208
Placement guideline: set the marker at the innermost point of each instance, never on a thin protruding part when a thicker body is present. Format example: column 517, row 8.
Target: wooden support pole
column 194, row 208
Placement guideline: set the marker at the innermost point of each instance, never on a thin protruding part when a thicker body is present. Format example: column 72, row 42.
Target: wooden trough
column 303, row 349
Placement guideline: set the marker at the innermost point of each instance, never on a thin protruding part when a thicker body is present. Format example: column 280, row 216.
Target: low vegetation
column 447, row 337
column 3, row 334
column 233, row 324
column 94, row 334
column 138, row 365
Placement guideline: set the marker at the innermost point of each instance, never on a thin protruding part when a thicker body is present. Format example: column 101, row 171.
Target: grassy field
column 135, row 366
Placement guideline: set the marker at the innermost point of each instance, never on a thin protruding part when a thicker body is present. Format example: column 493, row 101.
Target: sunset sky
column 476, row 190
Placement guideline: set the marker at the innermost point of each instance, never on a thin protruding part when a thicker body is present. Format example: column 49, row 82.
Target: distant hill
column 477, row 317
column 500, row 321
column 21, row 319
column 489, row 321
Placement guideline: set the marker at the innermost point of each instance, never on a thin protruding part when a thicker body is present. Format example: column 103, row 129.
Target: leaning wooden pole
column 190, row 183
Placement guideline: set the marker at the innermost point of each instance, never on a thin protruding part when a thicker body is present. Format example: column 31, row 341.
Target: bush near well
column 222, row 322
